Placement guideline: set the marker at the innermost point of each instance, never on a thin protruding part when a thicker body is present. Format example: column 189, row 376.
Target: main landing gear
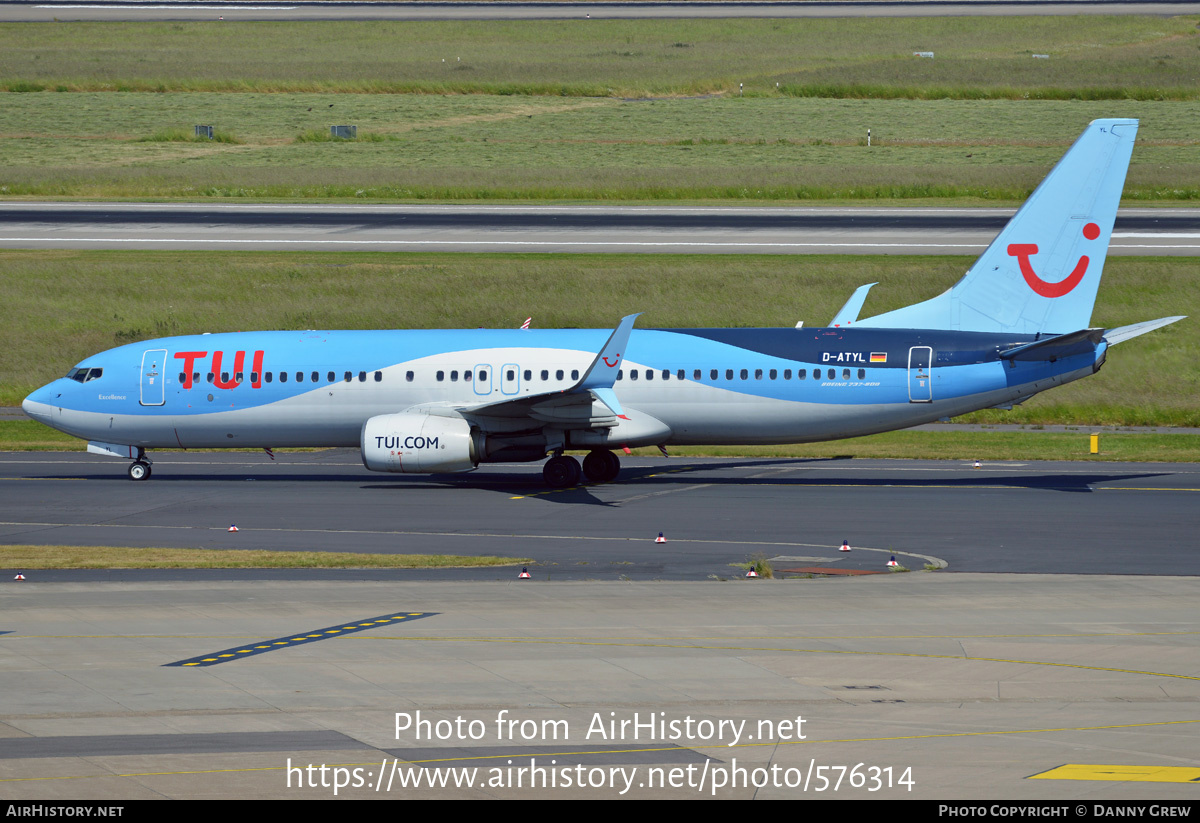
column 562, row 472
column 139, row 470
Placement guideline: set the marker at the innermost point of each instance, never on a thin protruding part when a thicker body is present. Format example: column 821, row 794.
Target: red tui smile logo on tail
column 1023, row 251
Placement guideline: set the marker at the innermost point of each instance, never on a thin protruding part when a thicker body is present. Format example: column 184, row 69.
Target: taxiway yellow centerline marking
column 518, row 753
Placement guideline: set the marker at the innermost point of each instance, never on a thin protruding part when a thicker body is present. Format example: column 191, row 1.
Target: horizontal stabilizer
column 1123, row 333
column 848, row 313
column 1083, row 341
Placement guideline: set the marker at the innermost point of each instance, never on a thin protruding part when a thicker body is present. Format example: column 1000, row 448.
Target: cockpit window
column 84, row 375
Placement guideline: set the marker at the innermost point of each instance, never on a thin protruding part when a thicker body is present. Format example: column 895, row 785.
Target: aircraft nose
column 37, row 404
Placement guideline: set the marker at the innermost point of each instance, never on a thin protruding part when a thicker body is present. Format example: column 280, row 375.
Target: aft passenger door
column 154, row 366
column 920, row 374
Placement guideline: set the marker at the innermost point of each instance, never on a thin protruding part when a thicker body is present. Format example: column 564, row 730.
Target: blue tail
column 1042, row 271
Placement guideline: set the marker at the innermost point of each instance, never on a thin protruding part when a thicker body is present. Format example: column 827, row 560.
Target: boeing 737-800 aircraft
column 445, row 401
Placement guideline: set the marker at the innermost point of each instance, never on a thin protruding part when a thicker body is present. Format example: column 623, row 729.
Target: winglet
column 848, row 313
column 602, row 374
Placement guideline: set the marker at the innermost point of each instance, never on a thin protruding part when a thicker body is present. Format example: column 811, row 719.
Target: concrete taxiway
column 921, row 685
column 946, row 684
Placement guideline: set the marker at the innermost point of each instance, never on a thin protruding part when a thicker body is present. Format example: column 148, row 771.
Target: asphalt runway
column 1055, row 518
column 629, row 229
column 208, row 10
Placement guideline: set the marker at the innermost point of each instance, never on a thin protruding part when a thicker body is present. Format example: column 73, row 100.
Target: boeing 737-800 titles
column 1016, row 324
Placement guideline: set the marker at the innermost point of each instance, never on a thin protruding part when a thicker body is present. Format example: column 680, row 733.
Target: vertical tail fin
column 1042, row 271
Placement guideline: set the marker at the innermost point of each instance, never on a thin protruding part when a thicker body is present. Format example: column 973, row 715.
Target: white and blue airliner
column 1016, row 324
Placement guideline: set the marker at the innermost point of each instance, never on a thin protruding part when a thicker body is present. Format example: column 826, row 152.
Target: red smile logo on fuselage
column 1023, row 251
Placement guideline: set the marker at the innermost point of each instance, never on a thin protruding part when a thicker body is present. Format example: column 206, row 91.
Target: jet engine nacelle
column 418, row 444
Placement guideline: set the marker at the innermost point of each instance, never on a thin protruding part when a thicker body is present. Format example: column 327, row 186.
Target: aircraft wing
column 590, row 403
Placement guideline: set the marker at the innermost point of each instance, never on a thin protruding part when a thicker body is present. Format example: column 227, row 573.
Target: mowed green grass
column 62, row 306
column 1123, row 56
column 412, row 147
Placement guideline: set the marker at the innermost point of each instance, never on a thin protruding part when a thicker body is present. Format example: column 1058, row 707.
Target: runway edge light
column 232, row 528
column 892, row 564
column 845, row 546
column 660, row 538
column 524, row 575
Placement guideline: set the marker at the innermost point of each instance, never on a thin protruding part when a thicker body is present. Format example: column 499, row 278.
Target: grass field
column 104, row 145
column 64, row 305
column 1089, row 56
column 644, row 110
column 125, row 557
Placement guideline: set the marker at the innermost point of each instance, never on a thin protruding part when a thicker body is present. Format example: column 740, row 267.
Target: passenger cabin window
column 331, row 377
column 362, row 377
column 283, row 377
column 408, row 376
column 482, row 374
column 801, row 374
column 729, row 374
column 712, row 375
column 440, row 376
column 528, row 375
column 348, row 376
column 787, row 374
column 378, row 377
column 744, row 374
column 558, row 375
column 574, row 374
column 862, row 373
column 454, row 376
column 316, row 377
column 270, row 376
